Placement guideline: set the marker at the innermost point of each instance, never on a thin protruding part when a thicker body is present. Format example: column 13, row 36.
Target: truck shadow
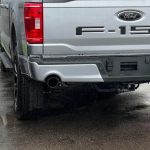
column 84, row 106
column 80, row 105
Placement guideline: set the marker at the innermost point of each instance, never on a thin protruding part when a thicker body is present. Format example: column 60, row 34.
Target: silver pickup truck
column 49, row 43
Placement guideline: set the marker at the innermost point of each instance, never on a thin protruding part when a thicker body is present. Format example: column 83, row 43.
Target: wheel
column 28, row 95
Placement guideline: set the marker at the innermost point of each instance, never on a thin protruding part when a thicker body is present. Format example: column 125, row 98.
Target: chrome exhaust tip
column 53, row 81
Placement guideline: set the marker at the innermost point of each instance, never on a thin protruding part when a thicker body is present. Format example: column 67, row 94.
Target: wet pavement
column 86, row 122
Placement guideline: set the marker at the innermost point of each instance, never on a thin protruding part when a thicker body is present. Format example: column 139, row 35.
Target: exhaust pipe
column 53, row 81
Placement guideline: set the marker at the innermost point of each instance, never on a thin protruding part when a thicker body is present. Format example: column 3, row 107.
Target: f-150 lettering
column 123, row 30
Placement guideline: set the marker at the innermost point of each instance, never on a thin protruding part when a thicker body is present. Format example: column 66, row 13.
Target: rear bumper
column 89, row 69
column 67, row 73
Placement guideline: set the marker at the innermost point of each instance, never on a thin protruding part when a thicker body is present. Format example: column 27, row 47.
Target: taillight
column 33, row 19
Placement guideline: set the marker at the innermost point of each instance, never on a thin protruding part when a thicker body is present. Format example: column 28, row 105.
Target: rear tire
column 28, row 94
column 28, row 97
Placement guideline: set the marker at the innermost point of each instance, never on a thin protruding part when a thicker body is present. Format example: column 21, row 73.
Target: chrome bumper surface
column 67, row 73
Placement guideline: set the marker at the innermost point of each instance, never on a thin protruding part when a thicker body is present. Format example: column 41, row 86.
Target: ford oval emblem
column 130, row 15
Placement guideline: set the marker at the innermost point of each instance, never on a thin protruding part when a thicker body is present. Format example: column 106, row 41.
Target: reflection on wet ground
column 86, row 121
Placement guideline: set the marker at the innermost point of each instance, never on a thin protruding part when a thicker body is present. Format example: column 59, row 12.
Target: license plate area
column 128, row 66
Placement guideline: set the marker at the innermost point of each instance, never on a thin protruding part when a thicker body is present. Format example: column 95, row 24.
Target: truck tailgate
column 94, row 28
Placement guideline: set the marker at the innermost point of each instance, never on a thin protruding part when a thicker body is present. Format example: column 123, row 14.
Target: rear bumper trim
column 67, row 73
